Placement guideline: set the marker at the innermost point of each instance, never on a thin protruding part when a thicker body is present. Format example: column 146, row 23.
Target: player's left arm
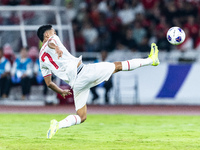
column 55, row 88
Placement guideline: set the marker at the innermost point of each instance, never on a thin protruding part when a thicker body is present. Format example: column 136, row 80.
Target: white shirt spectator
column 90, row 34
column 28, row 72
column 139, row 8
column 7, row 66
column 102, row 7
column 127, row 14
column 187, row 45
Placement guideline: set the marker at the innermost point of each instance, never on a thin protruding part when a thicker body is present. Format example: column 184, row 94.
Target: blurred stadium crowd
column 108, row 24
column 131, row 24
column 21, row 71
column 103, row 25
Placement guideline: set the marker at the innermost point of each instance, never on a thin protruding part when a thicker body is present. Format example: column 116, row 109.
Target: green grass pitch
column 104, row 132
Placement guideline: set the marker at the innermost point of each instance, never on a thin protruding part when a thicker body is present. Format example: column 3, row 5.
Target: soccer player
column 55, row 58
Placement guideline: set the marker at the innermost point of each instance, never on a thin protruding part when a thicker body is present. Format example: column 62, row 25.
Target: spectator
column 8, row 53
column 197, row 42
column 118, row 53
column 14, row 2
column 90, row 35
column 33, row 53
column 104, row 35
column 103, row 7
column 79, row 41
column 162, row 43
column 39, row 2
column 127, row 14
column 129, row 41
column 144, row 46
column 149, row 4
column 71, row 11
column 192, row 27
column 114, row 25
column 138, row 32
column 22, row 73
column 138, row 7
column 94, row 14
column 5, row 68
column 82, row 12
column 187, row 45
column 115, row 4
column 38, row 78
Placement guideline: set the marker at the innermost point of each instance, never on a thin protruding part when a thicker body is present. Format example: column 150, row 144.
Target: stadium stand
column 87, row 27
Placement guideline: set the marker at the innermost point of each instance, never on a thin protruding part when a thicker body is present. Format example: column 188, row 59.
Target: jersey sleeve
column 45, row 72
column 54, row 39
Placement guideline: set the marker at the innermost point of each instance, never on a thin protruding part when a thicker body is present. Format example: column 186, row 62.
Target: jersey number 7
column 50, row 59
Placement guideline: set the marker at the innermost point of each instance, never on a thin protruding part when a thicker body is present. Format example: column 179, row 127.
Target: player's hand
column 58, row 52
column 65, row 93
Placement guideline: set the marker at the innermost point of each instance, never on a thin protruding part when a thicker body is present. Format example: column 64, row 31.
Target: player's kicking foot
column 154, row 54
column 54, row 126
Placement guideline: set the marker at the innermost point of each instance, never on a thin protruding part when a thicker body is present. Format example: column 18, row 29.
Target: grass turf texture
column 28, row 132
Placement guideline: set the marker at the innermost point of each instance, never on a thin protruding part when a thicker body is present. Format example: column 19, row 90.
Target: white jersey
column 7, row 65
column 65, row 67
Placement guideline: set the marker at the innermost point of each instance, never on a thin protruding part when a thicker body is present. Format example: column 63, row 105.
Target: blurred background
column 102, row 30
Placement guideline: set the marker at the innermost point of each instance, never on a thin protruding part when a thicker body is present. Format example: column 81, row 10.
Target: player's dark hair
column 41, row 30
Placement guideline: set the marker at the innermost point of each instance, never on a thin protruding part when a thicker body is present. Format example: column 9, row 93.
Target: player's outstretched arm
column 55, row 88
column 53, row 45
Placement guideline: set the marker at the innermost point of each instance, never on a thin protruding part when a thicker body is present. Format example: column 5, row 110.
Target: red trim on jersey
column 53, row 39
column 47, row 75
column 128, row 65
column 76, row 119
column 42, row 50
column 50, row 59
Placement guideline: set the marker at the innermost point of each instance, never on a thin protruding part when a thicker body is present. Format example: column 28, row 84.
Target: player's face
column 52, row 32
column 49, row 33
column 23, row 53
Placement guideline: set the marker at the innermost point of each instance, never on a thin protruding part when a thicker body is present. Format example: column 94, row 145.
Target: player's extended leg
column 136, row 63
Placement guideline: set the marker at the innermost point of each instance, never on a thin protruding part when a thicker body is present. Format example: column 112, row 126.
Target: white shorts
column 91, row 75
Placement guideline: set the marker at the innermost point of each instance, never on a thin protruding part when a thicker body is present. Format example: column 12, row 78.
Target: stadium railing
column 42, row 15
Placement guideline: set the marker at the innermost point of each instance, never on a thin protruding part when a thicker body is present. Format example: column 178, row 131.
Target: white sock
column 135, row 63
column 69, row 121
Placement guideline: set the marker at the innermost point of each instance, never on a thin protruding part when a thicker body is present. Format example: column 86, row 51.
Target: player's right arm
column 53, row 45
column 47, row 78
column 55, row 88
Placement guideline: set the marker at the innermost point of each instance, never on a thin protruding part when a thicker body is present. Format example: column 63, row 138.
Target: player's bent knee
column 82, row 113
